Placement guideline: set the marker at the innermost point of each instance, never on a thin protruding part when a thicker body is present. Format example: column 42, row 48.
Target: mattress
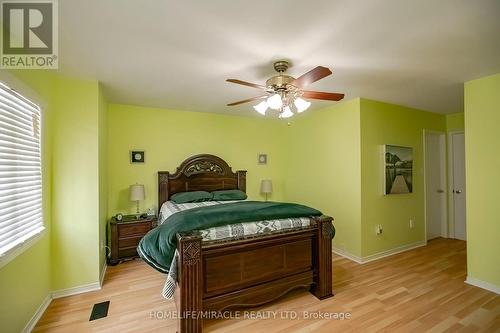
column 236, row 230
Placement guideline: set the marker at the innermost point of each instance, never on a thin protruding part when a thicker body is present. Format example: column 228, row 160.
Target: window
column 21, row 216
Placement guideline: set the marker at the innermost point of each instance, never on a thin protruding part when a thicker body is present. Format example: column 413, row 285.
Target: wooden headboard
column 202, row 172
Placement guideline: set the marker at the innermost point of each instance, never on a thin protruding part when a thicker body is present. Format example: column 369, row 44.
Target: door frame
column 444, row 206
column 451, row 202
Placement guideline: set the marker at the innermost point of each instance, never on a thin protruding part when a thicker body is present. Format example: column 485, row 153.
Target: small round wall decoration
column 137, row 156
column 262, row 159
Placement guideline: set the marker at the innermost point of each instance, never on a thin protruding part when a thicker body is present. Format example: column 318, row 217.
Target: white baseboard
column 76, row 290
column 483, row 284
column 58, row 294
column 391, row 252
column 347, row 255
column 63, row 293
column 38, row 314
column 379, row 255
column 103, row 273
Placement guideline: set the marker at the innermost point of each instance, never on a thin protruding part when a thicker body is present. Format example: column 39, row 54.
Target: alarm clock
column 119, row 217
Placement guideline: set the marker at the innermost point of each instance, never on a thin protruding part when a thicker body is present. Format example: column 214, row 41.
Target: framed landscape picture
column 398, row 169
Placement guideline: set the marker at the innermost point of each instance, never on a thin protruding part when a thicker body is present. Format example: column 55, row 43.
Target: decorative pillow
column 228, row 195
column 194, row 196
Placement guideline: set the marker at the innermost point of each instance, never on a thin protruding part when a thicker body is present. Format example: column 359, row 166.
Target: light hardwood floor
column 416, row 291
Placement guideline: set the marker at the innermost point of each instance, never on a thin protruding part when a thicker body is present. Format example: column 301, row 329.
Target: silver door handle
column 458, row 191
column 440, row 191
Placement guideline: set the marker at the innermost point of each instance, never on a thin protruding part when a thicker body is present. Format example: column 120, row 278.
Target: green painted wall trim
column 482, row 139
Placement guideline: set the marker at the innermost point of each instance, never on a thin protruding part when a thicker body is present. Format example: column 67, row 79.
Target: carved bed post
column 242, row 180
column 163, row 189
column 190, row 279
column 323, row 259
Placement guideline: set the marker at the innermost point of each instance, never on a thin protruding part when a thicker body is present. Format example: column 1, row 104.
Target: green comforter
column 157, row 248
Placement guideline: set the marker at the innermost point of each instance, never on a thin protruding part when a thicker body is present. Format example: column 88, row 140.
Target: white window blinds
column 20, row 170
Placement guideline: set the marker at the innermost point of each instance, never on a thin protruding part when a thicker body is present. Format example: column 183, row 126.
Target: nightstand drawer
column 127, row 252
column 129, row 242
column 133, row 229
column 126, row 235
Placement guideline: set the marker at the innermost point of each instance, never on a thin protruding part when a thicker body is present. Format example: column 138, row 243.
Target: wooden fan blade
column 248, row 100
column 248, row 84
column 322, row 95
column 312, row 76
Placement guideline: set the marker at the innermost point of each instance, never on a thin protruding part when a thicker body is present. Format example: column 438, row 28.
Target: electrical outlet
column 412, row 224
column 378, row 229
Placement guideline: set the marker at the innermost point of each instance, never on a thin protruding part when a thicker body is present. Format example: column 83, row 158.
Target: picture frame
column 398, row 169
column 262, row 159
column 137, row 156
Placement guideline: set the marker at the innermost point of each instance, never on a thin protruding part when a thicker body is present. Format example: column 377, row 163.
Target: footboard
column 252, row 271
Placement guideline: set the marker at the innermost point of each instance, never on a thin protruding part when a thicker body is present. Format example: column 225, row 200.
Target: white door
column 435, row 184
column 458, row 151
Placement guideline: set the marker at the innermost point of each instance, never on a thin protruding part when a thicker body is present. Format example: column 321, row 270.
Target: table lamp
column 136, row 193
column 266, row 187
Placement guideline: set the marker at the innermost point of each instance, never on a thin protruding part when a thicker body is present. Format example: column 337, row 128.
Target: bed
column 249, row 271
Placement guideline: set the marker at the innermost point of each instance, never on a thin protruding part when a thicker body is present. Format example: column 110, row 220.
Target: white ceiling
column 177, row 54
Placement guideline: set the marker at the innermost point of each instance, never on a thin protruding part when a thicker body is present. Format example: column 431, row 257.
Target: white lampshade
column 261, row 108
column 136, row 192
column 286, row 113
column 301, row 104
column 275, row 102
column 266, row 186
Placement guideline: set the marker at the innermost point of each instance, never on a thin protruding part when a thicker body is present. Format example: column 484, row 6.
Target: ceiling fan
column 283, row 91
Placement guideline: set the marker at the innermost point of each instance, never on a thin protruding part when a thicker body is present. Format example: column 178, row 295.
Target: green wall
column 335, row 163
column 482, row 139
column 455, row 122
column 75, row 184
column 168, row 137
column 324, row 168
column 67, row 256
column 103, row 176
column 26, row 281
column 383, row 123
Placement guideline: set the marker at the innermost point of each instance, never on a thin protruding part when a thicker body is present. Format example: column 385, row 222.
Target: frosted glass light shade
column 301, row 104
column 275, row 102
column 261, row 108
column 136, row 192
column 287, row 112
column 266, row 186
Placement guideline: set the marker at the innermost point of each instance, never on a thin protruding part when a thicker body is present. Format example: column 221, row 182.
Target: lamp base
column 137, row 212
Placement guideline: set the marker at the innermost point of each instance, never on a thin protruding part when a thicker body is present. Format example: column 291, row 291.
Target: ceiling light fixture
column 285, row 93
column 301, row 104
column 261, row 107
column 286, row 113
column 283, row 104
column 275, row 102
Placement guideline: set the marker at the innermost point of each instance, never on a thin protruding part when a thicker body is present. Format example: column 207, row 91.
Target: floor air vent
column 100, row 310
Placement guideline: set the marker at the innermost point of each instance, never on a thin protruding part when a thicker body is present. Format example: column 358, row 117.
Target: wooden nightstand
column 126, row 234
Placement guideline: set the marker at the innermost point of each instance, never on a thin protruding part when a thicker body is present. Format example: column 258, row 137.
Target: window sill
column 19, row 249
